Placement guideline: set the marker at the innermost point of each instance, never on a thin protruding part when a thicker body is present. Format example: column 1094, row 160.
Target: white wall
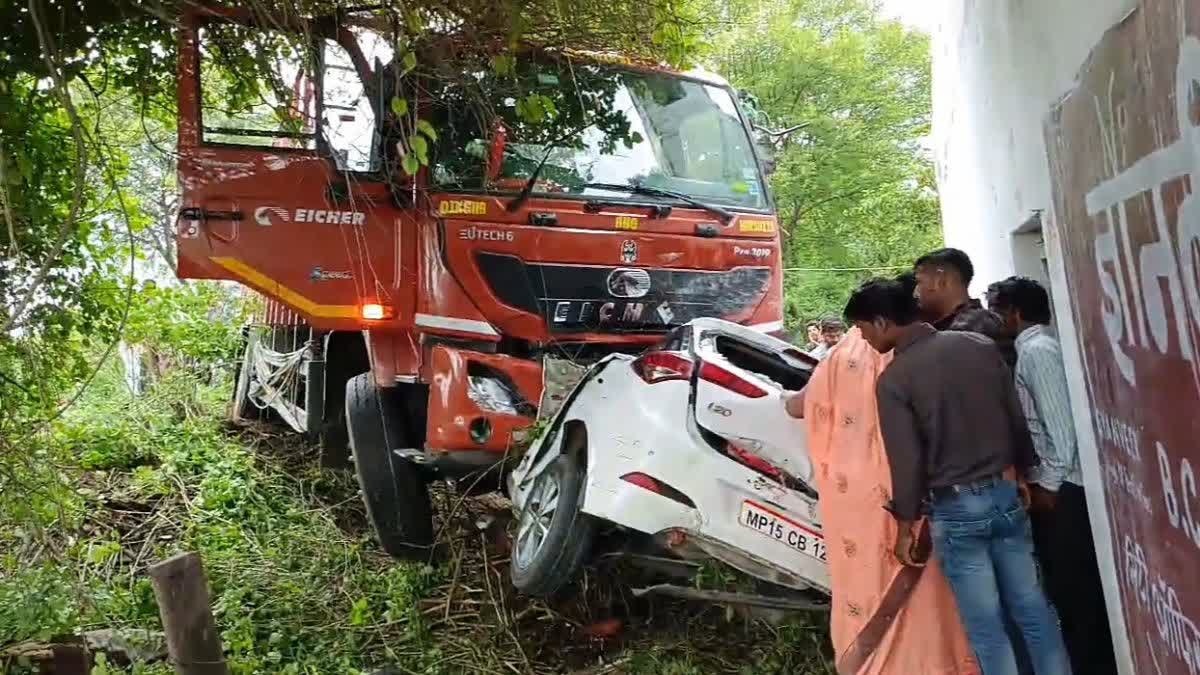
column 999, row 66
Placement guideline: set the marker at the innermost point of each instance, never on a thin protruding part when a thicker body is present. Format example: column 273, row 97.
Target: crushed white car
column 687, row 443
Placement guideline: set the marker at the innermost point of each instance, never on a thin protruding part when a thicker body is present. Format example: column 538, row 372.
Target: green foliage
column 57, row 287
column 70, row 207
column 292, row 592
column 409, row 62
column 853, row 186
column 545, row 103
column 427, row 129
column 421, row 147
column 34, row 601
column 503, row 64
column 411, row 164
column 536, row 109
column 197, row 322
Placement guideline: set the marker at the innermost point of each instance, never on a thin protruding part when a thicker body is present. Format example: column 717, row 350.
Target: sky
column 916, row 13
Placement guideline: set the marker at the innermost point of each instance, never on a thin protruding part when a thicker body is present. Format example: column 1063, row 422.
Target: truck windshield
column 593, row 124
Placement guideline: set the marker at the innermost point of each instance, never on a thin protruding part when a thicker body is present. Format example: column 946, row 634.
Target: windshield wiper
column 523, row 195
column 639, row 189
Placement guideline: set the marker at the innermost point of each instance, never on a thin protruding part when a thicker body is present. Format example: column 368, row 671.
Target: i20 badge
column 629, row 251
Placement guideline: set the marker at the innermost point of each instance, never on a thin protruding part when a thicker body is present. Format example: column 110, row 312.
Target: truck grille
column 580, row 298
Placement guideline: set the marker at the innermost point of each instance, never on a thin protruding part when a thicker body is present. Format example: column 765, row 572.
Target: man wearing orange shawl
column 887, row 619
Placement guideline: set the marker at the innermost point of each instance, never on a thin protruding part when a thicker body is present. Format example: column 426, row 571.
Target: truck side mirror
column 765, row 150
column 760, row 124
column 769, row 141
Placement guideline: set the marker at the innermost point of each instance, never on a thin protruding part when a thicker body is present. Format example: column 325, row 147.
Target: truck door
column 280, row 170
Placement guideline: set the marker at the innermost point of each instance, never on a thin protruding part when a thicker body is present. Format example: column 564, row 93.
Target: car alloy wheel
column 553, row 537
column 534, row 523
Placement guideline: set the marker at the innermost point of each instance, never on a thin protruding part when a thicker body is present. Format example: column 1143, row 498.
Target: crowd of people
column 951, row 493
column 823, row 336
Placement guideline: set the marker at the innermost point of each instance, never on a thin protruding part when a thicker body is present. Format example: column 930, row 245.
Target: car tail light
column 765, row 468
column 658, row 487
column 711, row 372
column 754, row 462
column 662, row 367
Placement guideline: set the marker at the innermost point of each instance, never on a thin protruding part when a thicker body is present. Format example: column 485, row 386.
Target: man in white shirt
column 832, row 331
column 1065, row 547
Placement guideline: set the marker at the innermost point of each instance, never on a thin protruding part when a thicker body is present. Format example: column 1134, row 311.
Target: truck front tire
column 394, row 491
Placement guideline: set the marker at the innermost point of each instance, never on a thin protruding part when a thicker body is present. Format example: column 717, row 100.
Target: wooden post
column 181, row 589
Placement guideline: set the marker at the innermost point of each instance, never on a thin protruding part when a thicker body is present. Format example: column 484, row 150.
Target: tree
column 83, row 84
column 87, row 111
column 853, row 186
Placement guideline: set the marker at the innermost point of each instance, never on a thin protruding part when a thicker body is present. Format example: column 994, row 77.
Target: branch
column 7, row 202
column 49, row 56
column 800, row 212
column 845, row 195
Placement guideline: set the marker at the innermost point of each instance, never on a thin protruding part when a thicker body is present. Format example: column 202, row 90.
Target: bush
column 292, row 591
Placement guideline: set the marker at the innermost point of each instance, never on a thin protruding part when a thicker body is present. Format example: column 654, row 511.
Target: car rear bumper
column 713, row 526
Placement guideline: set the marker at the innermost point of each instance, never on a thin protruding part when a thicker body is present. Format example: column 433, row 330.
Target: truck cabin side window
column 258, row 90
column 348, row 117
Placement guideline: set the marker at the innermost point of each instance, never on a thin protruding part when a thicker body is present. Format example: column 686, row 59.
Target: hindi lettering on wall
column 1124, row 156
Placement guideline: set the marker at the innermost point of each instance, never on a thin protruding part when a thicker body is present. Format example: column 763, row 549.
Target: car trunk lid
column 741, row 378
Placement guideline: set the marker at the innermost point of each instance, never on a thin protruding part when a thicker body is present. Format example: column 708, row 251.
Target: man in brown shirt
column 952, row 428
column 943, row 277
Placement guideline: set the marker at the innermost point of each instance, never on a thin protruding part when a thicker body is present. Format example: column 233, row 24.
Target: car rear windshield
column 763, row 362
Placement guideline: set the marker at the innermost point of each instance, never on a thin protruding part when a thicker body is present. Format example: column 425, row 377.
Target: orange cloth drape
column 851, row 471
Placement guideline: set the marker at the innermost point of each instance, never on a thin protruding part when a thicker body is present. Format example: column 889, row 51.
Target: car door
column 742, row 377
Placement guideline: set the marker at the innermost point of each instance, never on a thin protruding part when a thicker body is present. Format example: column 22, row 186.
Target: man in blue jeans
column 1062, row 531
column 955, row 437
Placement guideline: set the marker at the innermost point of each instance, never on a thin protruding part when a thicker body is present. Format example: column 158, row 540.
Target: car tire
column 565, row 533
column 394, row 492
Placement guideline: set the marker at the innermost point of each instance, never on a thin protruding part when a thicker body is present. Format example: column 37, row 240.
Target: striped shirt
column 1042, row 389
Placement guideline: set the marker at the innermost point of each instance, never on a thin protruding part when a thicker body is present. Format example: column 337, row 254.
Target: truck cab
column 447, row 231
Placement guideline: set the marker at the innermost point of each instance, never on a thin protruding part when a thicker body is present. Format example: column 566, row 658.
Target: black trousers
column 1067, row 556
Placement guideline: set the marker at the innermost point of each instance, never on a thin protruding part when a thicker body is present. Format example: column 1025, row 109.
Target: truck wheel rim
column 534, row 523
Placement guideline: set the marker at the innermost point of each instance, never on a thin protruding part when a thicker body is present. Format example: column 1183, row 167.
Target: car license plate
column 788, row 532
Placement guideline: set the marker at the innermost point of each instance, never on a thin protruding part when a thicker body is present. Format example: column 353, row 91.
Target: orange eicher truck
column 438, row 231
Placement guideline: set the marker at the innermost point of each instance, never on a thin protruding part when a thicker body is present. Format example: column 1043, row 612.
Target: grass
column 298, row 584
